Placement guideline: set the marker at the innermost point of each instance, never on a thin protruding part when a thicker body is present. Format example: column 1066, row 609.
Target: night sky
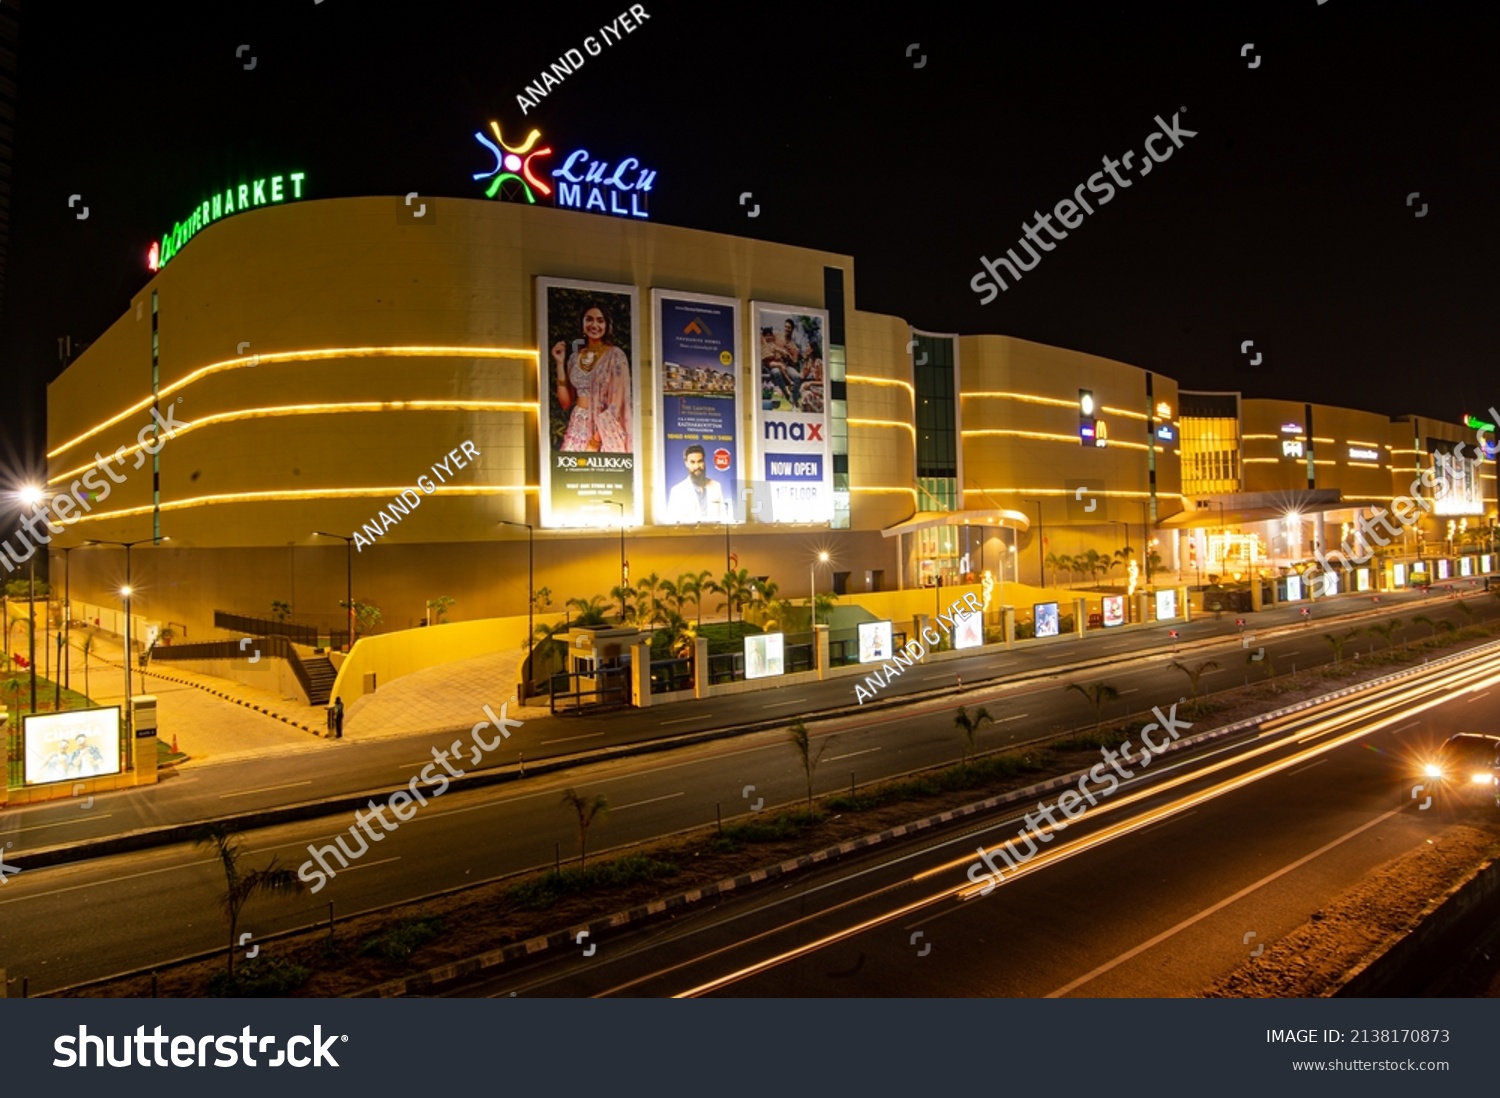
column 1284, row 220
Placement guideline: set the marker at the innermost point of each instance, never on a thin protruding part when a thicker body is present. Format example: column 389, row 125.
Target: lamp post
column 126, row 591
column 1145, row 537
column 1041, row 551
column 67, row 645
column 624, row 574
column 31, row 496
column 812, row 586
column 348, row 540
column 530, row 593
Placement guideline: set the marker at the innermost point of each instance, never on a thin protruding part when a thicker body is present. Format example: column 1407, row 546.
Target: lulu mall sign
column 266, row 191
column 582, row 183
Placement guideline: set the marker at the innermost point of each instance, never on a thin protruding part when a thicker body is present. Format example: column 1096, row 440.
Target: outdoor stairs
column 320, row 677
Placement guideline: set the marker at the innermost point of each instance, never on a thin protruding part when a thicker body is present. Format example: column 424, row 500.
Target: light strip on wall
column 1066, row 492
column 275, row 357
column 1045, row 436
column 861, row 379
column 323, row 409
column 300, row 495
column 1247, row 438
column 1123, row 412
column 1025, row 398
column 885, row 423
column 1361, row 465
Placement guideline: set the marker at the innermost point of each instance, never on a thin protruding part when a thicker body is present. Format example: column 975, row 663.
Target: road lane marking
column 565, row 739
column 265, row 789
column 1309, row 766
column 866, row 751
column 60, row 823
column 652, row 800
column 794, row 701
column 1476, row 697
column 679, row 720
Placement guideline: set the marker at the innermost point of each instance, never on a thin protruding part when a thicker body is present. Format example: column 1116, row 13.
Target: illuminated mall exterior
column 322, row 356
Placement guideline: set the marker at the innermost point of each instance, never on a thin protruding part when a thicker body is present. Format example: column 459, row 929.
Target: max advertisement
column 590, row 409
column 697, row 409
column 793, row 453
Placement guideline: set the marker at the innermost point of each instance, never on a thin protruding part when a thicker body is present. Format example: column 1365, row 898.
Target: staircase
column 320, row 679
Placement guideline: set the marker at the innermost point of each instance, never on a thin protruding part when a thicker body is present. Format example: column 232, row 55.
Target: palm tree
column 587, row 811
column 1091, row 561
column 1194, row 674
column 1423, row 619
column 1068, row 564
column 1337, row 642
column 590, row 610
column 1384, row 629
column 88, row 650
column 646, row 593
column 1262, row 657
column 691, row 585
column 672, row 597
column 803, row 743
column 762, row 598
column 1097, row 693
column 1053, row 562
column 239, row 884
column 970, row 726
column 736, row 588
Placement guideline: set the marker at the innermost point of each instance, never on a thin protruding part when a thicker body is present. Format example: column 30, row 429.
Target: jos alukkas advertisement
column 590, row 405
column 697, row 409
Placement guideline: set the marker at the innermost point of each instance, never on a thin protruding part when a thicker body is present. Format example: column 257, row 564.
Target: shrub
column 399, row 942
column 542, row 892
column 263, row 978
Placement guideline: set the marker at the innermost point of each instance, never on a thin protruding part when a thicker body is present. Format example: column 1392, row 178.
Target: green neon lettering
column 276, row 188
column 297, row 178
column 218, row 208
column 229, row 201
column 244, row 196
column 205, row 220
column 260, row 192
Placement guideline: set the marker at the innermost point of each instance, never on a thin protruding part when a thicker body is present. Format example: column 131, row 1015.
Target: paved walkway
column 451, row 695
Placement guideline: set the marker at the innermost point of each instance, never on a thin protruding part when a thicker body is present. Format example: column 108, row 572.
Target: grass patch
column 773, row 829
column 542, row 892
column 259, row 979
column 398, row 942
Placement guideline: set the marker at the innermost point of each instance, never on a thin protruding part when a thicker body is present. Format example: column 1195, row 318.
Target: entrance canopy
column 1242, row 508
column 994, row 517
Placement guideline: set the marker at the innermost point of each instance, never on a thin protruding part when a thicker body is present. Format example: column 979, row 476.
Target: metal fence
column 265, row 627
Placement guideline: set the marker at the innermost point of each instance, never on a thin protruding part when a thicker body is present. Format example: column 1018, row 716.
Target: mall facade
column 359, row 397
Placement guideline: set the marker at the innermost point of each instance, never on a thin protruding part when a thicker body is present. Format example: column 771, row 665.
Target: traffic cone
column 174, row 744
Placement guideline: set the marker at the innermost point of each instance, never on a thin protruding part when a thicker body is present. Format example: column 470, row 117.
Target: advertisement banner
column 764, row 655
column 1166, row 603
column 589, row 409
column 874, row 641
column 1044, row 614
column 793, row 450
column 697, row 409
column 1114, row 611
column 71, row 746
column 968, row 631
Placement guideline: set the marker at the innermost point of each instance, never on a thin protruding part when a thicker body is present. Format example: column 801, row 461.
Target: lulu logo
column 583, row 183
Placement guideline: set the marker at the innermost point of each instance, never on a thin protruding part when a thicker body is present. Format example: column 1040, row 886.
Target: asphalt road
column 1170, row 883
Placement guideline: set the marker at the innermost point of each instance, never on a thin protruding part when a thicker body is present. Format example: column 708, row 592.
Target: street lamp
column 126, row 592
column 624, row 573
column 348, row 540
column 530, row 592
column 31, row 495
column 812, row 586
column 1041, row 552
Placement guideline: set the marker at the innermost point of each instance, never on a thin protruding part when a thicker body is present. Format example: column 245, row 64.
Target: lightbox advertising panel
column 1044, row 614
column 590, row 407
column 968, row 631
column 764, row 655
column 793, row 451
column 874, row 641
column 697, row 409
column 1166, row 604
column 1114, row 610
column 73, row 745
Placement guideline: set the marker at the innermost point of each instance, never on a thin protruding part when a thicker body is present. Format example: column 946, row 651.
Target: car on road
column 1466, row 769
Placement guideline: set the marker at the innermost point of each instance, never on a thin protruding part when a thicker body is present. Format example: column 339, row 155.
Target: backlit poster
column 697, row 409
column 72, row 746
column 793, row 453
column 1294, row 587
column 1045, row 616
column 1166, row 604
column 764, row 655
column 590, row 406
column 1114, row 610
column 968, row 631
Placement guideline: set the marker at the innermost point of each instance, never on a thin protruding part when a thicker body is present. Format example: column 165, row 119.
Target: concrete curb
column 495, row 958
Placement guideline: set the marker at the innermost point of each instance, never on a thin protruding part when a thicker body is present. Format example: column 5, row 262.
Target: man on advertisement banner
column 697, row 497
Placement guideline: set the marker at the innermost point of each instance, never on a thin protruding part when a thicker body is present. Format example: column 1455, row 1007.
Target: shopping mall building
column 683, row 400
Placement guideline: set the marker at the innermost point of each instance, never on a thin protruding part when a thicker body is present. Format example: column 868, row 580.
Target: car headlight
column 1432, row 770
column 1482, row 777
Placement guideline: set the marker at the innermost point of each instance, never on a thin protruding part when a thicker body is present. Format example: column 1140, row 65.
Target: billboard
column 793, row 450
column 1114, row 610
column 763, row 655
column 71, row 746
column 1455, row 481
column 1045, row 616
column 1166, row 604
column 697, row 409
column 589, row 410
column 874, row 641
column 968, row 631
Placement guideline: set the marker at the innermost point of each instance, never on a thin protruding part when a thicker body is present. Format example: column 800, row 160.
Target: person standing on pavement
column 338, row 718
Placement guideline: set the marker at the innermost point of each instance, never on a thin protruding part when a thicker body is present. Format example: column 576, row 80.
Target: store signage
column 1358, row 453
column 1291, row 428
column 582, row 182
column 1163, row 410
column 1166, row 433
column 266, row 191
column 1291, row 448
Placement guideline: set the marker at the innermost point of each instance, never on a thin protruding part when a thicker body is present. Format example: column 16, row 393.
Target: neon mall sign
column 582, row 183
column 266, row 191
column 1358, row 453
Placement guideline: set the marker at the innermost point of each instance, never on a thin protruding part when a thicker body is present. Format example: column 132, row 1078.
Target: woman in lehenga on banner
column 594, row 384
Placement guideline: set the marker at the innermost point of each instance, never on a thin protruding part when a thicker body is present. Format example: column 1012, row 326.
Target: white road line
column 866, row 751
column 565, row 739
column 794, row 701
column 637, row 804
column 1476, row 697
column 1309, row 766
column 84, row 818
column 265, row 789
column 1132, row 690
column 1118, row 644
column 1403, row 727
column 679, row 720
column 1298, row 652
column 370, row 865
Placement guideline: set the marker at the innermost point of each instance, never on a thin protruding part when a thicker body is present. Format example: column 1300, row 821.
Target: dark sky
column 1284, row 221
